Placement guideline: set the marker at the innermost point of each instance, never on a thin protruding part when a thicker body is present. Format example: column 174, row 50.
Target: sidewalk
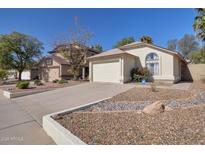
column 18, row 127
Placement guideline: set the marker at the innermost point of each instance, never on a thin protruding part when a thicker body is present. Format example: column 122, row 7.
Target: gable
column 48, row 62
column 53, row 60
column 138, row 45
column 143, row 51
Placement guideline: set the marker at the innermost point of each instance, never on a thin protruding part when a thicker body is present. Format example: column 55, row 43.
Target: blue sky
column 108, row 25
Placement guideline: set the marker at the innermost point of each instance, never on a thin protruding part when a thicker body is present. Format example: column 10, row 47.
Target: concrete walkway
column 21, row 118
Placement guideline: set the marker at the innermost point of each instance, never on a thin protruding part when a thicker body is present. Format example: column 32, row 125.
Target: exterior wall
column 64, row 70
column 193, row 72
column 43, row 64
column 46, row 72
column 166, row 62
column 130, row 62
column 177, row 69
column 49, row 73
column 54, row 73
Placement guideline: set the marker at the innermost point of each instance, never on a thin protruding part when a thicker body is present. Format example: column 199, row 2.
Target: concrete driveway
column 21, row 118
column 41, row 104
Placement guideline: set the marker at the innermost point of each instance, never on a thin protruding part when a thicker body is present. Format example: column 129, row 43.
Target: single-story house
column 115, row 65
column 56, row 66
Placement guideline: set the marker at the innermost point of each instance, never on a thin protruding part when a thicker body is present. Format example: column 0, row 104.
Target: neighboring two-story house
column 56, row 66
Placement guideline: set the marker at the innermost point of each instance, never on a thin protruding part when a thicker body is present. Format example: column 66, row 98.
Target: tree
column 19, row 51
column 146, row 39
column 124, row 41
column 74, row 47
column 97, row 47
column 197, row 57
column 199, row 24
column 187, row 44
column 3, row 74
column 172, row 44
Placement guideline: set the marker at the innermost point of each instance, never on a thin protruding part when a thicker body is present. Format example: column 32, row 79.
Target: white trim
column 58, row 133
column 121, row 70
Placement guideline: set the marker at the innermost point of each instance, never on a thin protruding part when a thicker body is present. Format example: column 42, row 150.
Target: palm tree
column 146, row 39
column 199, row 24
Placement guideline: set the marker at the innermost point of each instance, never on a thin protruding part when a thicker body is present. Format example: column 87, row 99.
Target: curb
column 57, row 132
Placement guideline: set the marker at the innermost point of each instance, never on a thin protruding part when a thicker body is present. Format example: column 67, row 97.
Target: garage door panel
column 106, row 72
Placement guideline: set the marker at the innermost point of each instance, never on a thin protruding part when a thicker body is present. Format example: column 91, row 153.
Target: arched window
column 152, row 63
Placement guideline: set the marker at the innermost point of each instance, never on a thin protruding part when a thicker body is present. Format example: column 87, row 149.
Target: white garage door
column 106, row 72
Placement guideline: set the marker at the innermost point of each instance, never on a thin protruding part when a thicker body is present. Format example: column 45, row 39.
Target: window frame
column 153, row 61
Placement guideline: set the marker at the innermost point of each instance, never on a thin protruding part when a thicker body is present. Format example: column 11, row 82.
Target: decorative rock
column 197, row 99
column 167, row 108
column 156, row 107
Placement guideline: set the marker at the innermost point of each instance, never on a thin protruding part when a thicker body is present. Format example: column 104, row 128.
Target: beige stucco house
column 115, row 65
column 55, row 66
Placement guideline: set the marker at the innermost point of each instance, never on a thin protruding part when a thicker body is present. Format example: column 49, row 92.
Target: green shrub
column 22, row 84
column 132, row 73
column 62, row 81
column 3, row 74
column 139, row 74
column 55, row 81
column 38, row 82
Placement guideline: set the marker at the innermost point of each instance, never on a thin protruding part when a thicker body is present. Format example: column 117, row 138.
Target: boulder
column 154, row 108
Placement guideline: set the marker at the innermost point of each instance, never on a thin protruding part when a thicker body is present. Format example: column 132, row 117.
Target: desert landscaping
column 142, row 116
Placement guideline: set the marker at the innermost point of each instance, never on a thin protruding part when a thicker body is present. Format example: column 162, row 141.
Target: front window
column 152, row 63
column 49, row 61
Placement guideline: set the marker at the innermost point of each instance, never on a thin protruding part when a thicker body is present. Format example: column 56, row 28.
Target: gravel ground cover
column 146, row 94
column 116, row 106
column 197, row 99
column 108, row 105
column 179, row 126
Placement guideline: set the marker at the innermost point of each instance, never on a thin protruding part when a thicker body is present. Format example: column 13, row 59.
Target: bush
column 139, row 74
column 3, row 74
column 22, row 84
column 38, row 82
column 62, row 81
column 55, row 81
column 132, row 73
